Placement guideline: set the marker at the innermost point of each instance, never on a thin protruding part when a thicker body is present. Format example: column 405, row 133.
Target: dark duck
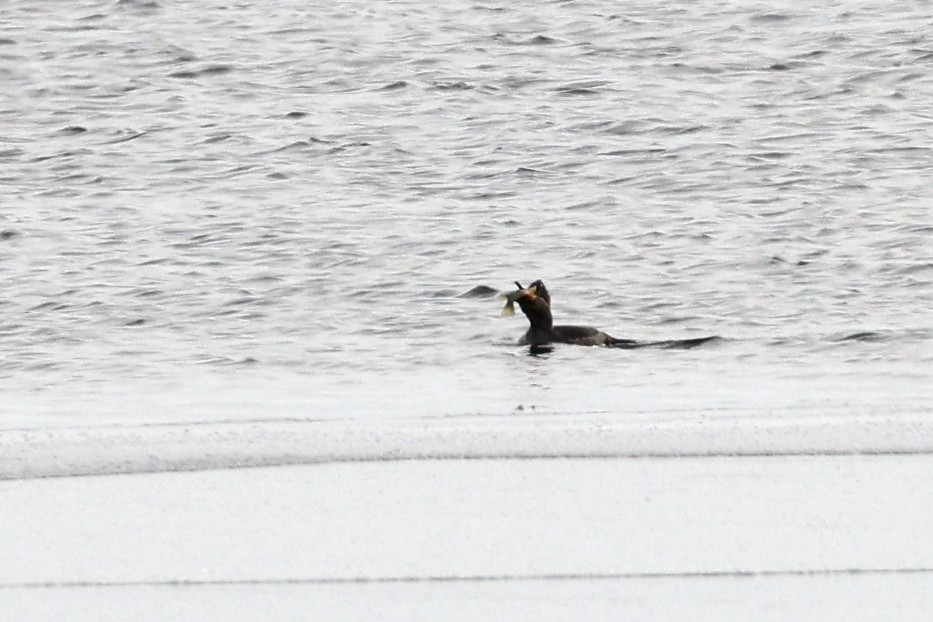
column 535, row 303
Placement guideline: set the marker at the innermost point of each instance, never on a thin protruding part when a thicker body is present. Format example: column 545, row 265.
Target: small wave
column 524, row 171
column 394, row 86
column 297, row 145
column 917, row 268
column 771, row 17
column 14, row 152
column 49, row 306
column 348, row 146
column 563, row 90
column 863, row 336
column 452, row 86
column 633, row 152
column 126, row 137
column 535, row 40
column 541, row 40
column 585, row 87
column 139, row 4
column 480, row 291
column 210, row 70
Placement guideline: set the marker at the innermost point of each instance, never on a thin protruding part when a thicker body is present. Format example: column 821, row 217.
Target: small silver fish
column 510, row 297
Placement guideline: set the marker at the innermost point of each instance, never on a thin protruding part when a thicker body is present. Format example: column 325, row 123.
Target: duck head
column 536, row 306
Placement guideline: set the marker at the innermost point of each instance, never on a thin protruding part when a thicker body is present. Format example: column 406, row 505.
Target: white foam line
column 58, row 452
column 492, row 578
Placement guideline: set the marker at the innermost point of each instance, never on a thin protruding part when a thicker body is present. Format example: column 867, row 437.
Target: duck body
column 535, row 303
column 576, row 335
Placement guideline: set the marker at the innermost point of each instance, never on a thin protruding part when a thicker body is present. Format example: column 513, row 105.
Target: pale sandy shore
column 844, row 537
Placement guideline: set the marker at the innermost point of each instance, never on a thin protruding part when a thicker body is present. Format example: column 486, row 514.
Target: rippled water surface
column 219, row 210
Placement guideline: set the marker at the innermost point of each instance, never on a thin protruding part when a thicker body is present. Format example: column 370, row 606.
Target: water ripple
column 308, row 180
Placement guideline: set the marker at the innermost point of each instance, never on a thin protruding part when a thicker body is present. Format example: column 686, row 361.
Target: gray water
column 215, row 211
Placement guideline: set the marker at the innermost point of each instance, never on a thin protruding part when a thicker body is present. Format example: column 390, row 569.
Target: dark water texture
column 222, row 209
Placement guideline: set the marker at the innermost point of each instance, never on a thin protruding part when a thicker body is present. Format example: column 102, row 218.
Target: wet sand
column 774, row 537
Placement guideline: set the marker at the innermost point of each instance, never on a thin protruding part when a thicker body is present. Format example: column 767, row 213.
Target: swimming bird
column 535, row 303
